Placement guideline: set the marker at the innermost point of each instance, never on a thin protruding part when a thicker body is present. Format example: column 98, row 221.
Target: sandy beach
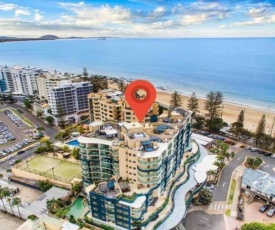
column 230, row 111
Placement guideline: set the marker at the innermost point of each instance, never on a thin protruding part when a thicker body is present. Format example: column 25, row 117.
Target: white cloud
column 37, row 16
column 84, row 15
column 7, row 7
column 19, row 12
column 258, row 15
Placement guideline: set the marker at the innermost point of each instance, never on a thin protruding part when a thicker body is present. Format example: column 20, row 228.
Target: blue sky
column 138, row 18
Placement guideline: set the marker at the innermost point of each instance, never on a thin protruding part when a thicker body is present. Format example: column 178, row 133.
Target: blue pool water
column 73, row 143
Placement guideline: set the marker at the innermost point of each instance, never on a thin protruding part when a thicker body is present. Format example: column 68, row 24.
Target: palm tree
column 9, row 201
column 16, row 201
column 2, row 196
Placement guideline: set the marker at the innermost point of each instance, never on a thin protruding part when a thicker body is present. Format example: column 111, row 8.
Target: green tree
column 121, row 85
column 39, row 113
column 62, row 135
column 240, row 118
column 3, row 194
column 260, row 131
column 50, row 119
column 60, row 116
column 9, row 200
column 205, row 197
column 16, row 201
column 99, row 83
column 213, row 104
column 176, row 100
column 27, row 104
column 193, row 104
column 253, row 163
column 85, row 74
column 216, row 124
column 44, row 185
column 72, row 219
column 80, row 129
column 258, row 226
column 40, row 129
column 76, row 153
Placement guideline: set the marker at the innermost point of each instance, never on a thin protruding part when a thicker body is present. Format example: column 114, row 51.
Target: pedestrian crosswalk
column 216, row 207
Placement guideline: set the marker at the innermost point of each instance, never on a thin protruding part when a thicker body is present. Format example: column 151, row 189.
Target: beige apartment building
column 110, row 105
column 47, row 81
column 129, row 168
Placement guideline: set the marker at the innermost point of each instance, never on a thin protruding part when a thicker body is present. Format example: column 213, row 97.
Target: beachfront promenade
column 179, row 209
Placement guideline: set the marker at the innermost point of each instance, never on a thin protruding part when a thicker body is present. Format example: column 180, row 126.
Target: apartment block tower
column 21, row 80
column 69, row 101
column 49, row 80
column 110, row 105
column 128, row 168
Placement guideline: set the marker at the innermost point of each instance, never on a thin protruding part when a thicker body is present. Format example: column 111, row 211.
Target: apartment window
column 130, row 154
column 134, row 155
column 134, row 162
column 130, row 167
column 134, row 174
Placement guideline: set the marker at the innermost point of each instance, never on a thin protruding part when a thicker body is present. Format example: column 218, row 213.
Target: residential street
column 221, row 190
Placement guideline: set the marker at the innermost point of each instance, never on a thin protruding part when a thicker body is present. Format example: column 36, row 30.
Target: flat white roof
column 89, row 140
column 203, row 140
column 156, row 153
column 200, row 176
column 110, row 132
column 137, row 204
column 206, row 164
column 132, row 125
column 96, row 123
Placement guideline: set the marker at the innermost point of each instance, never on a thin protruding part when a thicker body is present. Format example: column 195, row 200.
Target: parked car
column 273, row 156
column 20, row 152
column 264, row 208
column 271, row 212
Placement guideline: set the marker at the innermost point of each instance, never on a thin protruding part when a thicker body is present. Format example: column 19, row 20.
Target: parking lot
column 14, row 134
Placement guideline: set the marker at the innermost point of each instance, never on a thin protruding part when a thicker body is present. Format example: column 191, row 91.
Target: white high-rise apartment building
column 70, row 100
column 21, row 80
column 6, row 75
column 47, row 81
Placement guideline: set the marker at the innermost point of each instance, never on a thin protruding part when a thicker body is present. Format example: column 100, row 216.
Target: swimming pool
column 73, row 143
column 77, row 209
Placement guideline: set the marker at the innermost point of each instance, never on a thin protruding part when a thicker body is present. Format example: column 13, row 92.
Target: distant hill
column 49, row 37
column 5, row 37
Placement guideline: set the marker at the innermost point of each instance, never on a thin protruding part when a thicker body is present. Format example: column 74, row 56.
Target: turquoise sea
column 242, row 68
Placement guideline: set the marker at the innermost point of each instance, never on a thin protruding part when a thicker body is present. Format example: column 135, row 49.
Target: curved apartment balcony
column 151, row 175
column 149, row 182
column 146, row 163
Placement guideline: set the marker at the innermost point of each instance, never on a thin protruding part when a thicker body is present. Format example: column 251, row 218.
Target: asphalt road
column 221, row 190
column 49, row 130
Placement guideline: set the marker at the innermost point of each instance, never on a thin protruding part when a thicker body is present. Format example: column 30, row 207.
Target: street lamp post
column 53, row 172
column 28, row 165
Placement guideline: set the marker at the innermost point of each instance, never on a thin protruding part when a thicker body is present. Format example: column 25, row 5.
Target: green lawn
column 63, row 169
column 231, row 191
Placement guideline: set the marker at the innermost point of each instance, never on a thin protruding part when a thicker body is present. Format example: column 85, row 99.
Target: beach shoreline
column 230, row 112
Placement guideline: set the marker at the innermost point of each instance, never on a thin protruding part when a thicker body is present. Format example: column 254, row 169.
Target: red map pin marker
column 140, row 106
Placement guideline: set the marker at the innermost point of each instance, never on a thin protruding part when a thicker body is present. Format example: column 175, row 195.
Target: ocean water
column 242, row 69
